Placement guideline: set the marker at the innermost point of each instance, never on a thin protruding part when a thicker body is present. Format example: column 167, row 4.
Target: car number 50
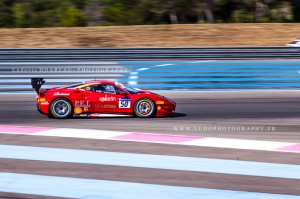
column 124, row 104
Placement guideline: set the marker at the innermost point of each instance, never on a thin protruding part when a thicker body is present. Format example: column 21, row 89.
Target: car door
column 106, row 98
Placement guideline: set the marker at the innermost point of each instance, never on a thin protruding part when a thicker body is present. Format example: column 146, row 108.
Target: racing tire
column 61, row 108
column 144, row 108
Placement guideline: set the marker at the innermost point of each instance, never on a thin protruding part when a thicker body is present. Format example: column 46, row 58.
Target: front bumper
column 165, row 110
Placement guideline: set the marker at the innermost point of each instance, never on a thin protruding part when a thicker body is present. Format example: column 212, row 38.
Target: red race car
column 98, row 98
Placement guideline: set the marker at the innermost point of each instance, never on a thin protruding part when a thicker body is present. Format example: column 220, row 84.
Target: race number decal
column 124, row 103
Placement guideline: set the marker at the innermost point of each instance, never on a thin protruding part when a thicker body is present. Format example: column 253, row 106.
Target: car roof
column 99, row 82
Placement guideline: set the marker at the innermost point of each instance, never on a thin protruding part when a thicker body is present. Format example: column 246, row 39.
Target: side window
column 89, row 88
column 105, row 88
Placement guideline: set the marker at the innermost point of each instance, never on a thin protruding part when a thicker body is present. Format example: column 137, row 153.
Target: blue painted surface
column 91, row 189
column 214, row 86
column 214, row 75
column 163, row 75
column 151, row 161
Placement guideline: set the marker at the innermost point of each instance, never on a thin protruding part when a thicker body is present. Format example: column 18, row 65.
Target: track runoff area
column 133, row 158
column 82, row 163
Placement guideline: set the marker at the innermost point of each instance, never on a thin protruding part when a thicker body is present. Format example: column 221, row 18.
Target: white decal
column 82, row 104
column 64, row 94
column 107, row 99
column 124, row 103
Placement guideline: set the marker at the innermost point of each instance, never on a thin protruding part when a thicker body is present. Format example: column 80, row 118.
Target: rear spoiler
column 37, row 83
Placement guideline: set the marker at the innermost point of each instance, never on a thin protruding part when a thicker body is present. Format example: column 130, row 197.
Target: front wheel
column 144, row 108
column 61, row 108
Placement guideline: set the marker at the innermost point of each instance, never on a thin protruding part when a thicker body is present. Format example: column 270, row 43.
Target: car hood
column 158, row 95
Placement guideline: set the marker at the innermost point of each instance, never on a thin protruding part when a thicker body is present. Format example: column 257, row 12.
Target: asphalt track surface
column 276, row 113
column 196, row 111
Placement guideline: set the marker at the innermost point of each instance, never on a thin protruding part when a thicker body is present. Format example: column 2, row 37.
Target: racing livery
column 99, row 97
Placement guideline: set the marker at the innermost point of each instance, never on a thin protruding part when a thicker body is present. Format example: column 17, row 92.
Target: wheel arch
column 60, row 97
column 146, row 98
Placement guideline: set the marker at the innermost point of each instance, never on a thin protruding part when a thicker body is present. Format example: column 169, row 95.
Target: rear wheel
column 61, row 108
column 144, row 108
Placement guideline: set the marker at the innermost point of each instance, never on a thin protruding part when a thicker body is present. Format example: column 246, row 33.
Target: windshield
column 127, row 88
column 73, row 85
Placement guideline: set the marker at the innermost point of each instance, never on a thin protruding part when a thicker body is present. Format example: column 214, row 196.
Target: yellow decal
column 160, row 102
column 78, row 110
column 158, row 108
column 42, row 100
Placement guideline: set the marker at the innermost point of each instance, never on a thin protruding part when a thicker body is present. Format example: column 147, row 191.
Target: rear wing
column 37, row 83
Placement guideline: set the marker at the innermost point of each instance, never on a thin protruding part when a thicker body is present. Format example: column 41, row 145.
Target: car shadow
column 179, row 115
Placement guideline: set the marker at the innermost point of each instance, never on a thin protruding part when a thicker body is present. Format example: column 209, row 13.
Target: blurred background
column 56, row 13
column 147, row 23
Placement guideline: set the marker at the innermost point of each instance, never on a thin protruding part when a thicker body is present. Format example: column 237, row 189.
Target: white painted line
column 179, row 163
column 142, row 69
column 133, row 75
column 71, row 187
column 237, row 143
column 79, row 133
column 132, row 83
column 163, row 65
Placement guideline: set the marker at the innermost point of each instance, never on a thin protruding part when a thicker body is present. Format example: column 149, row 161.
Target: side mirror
column 122, row 93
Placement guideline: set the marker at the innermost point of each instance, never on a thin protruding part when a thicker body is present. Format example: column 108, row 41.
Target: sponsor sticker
column 107, row 99
column 61, row 94
column 82, row 104
column 124, row 103
column 109, row 106
column 78, row 110
column 104, row 106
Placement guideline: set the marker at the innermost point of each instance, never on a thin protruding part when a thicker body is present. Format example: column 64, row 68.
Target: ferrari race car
column 99, row 97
